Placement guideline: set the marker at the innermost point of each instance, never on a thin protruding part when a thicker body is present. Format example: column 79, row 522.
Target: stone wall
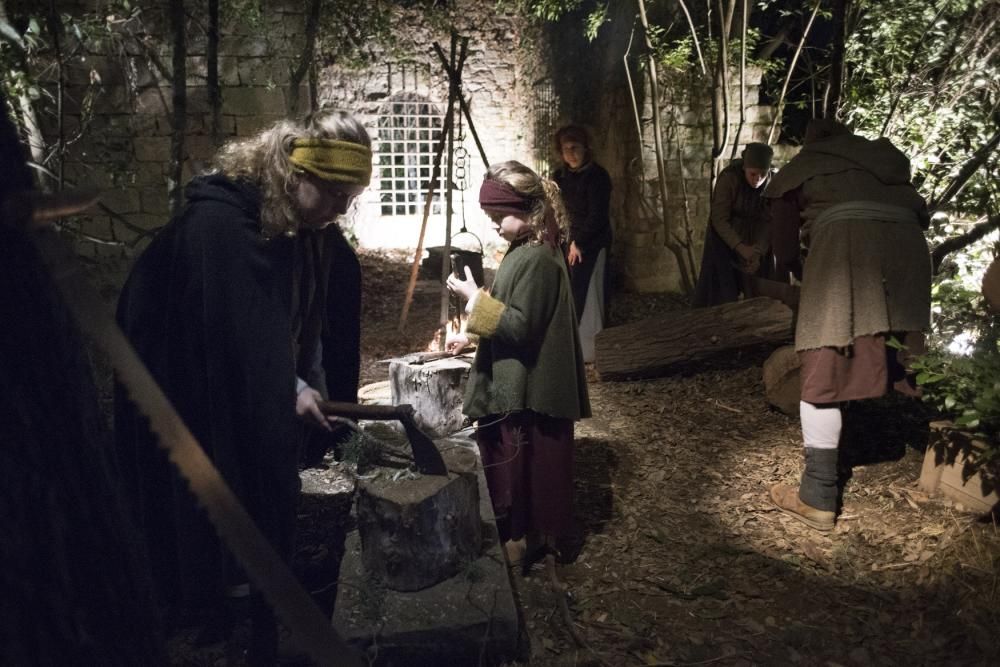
column 124, row 148
column 644, row 261
column 521, row 82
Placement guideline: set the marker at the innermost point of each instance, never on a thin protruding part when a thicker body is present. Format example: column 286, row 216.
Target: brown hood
column 835, row 154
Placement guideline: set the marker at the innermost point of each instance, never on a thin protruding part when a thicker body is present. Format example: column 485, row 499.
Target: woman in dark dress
column 586, row 190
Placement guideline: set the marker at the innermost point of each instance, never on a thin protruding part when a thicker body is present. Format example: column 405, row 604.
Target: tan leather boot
column 786, row 499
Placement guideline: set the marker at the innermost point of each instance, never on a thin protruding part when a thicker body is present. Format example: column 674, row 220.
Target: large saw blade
column 269, row 573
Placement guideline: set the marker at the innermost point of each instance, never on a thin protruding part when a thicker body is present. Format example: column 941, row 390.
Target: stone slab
column 468, row 619
column 946, row 470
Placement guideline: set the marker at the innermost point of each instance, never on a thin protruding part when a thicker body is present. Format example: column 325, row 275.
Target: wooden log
column 781, row 380
column 417, row 532
column 668, row 343
column 434, row 388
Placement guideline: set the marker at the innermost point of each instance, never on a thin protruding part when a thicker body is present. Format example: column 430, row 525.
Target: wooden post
column 449, row 191
column 435, row 174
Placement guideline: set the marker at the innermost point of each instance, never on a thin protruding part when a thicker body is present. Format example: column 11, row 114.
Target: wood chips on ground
column 679, row 558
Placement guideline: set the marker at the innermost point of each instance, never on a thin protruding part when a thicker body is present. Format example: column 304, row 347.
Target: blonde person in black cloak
column 236, row 309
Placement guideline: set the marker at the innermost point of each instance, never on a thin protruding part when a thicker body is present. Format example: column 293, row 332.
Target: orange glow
column 455, row 325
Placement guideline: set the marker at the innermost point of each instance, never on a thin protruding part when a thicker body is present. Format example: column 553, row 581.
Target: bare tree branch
column 306, row 58
column 911, row 68
column 743, row 77
column 945, row 248
column 968, row 169
column 212, row 73
column 175, row 190
column 694, row 36
column 831, row 105
column 791, row 69
column 668, row 235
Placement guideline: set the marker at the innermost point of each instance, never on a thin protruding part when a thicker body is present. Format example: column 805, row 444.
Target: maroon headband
column 498, row 196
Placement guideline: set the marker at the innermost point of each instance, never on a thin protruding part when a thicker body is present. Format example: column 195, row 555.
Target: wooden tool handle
column 357, row 411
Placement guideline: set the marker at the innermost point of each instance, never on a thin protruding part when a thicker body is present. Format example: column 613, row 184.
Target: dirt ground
column 679, row 559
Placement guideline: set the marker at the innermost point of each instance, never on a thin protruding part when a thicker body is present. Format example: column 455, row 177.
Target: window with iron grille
column 544, row 116
column 409, row 129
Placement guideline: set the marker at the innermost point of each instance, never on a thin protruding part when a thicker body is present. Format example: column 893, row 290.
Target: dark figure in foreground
column 737, row 243
column 74, row 588
column 527, row 385
column 235, row 309
column 866, row 278
column 586, row 192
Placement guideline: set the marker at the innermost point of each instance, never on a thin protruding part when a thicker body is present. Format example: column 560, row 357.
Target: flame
column 455, row 325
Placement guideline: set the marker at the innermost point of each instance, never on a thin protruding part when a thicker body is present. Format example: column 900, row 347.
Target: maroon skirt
column 866, row 369
column 528, row 461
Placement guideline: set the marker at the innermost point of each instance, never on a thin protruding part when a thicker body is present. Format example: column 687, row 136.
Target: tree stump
column 417, row 532
column 434, row 388
column 782, row 384
column 673, row 341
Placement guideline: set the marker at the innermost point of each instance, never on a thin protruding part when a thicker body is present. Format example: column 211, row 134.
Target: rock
column 781, row 380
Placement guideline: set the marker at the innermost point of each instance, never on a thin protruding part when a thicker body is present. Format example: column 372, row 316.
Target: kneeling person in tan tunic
column 848, row 205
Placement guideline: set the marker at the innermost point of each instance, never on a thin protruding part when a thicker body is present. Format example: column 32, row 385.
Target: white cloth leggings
column 821, row 424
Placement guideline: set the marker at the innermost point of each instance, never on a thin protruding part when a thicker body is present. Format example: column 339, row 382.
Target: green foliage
column 249, row 13
column 358, row 34
column 546, row 10
column 929, row 75
column 960, row 374
column 966, row 389
column 362, row 450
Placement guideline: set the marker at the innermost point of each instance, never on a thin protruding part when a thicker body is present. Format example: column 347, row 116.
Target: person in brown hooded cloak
column 847, row 221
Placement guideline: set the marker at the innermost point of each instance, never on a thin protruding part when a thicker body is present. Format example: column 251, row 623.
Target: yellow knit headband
column 333, row 160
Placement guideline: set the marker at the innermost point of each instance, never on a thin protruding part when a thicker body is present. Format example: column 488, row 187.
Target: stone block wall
column 122, row 144
column 118, row 105
column 643, row 261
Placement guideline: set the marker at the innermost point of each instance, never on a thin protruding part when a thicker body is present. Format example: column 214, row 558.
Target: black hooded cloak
column 208, row 308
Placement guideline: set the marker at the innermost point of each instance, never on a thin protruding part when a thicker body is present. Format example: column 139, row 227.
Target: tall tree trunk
column 720, row 87
column 669, row 236
column 305, row 64
column 743, row 77
column 29, row 119
column 55, row 28
column 175, row 190
column 831, row 106
column 212, row 76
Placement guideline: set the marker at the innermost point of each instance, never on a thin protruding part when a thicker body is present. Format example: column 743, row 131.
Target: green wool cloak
column 529, row 355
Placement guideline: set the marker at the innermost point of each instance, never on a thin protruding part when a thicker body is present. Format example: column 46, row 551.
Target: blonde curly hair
column 263, row 160
column 544, row 194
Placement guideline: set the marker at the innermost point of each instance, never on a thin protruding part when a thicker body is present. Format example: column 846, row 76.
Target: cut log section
column 670, row 342
column 782, row 384
column 435, row 388
column 417, row 532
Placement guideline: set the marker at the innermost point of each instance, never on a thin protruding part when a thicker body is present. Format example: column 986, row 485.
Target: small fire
column 456, row 324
